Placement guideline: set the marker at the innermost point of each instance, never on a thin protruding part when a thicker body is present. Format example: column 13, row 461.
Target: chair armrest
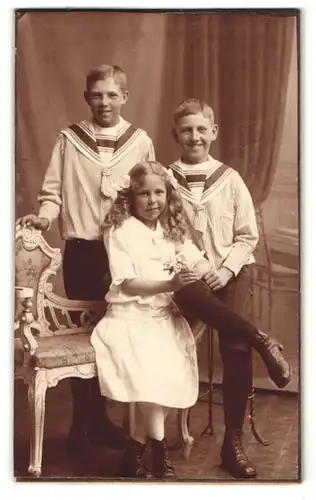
column 25, row 322
column 72, row 316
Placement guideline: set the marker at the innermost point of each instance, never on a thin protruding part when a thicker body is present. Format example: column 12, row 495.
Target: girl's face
column 149, row 200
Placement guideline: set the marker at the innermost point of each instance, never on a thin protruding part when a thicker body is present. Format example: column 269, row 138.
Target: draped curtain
column 239, row 63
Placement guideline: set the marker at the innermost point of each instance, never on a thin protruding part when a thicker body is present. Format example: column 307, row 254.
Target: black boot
column 162, row 465
column 101, row 430
column 237, row 385
column 279, row 370
column 234, row 458
column 132, row 465
column 200, row 299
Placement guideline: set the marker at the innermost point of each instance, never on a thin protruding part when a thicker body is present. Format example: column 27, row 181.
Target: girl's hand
column 35, row 221
column 183, row 278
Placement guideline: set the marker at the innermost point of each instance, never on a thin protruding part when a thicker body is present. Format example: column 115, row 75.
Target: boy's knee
column 229, row 345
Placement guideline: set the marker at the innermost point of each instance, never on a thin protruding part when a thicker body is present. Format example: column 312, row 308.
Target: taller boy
column 222, row 222
column 87, row 167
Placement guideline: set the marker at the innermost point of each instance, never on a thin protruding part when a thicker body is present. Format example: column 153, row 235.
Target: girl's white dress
column 145, row 350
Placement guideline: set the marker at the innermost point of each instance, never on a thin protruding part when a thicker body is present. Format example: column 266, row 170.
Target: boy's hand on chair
column 183, row 278
column 218, row 279
column 35, row 221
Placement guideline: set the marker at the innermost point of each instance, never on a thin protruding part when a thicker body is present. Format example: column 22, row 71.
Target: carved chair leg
column 252, row 420
column 36, row 401
column 186, row 438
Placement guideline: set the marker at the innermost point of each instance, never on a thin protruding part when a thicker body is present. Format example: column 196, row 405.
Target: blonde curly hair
column 171, row 219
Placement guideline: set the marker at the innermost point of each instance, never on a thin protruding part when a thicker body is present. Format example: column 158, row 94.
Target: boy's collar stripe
column 82, row 146
column 186, row 193
column 125, row 127
column 105, row 143
column 123, row 150
column 89, row 141
column 212, row 181
column 103, row 134
column 83, row 138
column 179, row 176
column 182, row 182
column 218, row 182
column 86, row 135
column 213, row 177
column 87, row 127
column 191, row 178
column 124, row 137
column 177, row 168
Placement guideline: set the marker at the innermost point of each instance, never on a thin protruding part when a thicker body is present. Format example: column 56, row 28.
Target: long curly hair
column 171, row 219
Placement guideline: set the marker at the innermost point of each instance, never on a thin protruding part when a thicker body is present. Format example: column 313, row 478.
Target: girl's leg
column 155, row 421
column 198, row 300
column 154, row 417
column 139, row 431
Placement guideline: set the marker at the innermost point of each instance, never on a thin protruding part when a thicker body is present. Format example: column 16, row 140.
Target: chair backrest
column 262, row 250
column 35, row 262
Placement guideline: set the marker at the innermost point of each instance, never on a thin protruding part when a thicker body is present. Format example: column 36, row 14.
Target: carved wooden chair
column 52, row 337
column 52, row 334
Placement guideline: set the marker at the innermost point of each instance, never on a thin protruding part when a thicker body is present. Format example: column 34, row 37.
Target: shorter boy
column 222, row 222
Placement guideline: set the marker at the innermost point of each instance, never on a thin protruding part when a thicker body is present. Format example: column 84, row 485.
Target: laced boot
column 270, row 350
column 234, row 458
column 162, row 465
column 132, row 465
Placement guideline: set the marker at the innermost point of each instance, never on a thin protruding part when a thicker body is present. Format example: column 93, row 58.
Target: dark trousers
column 85, row 265
column 229, row 311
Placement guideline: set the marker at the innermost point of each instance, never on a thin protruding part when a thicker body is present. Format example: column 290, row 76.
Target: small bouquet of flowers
column 175, row 265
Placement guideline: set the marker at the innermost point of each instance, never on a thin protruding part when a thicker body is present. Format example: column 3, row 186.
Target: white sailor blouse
column 222, row 221
column 87, row 167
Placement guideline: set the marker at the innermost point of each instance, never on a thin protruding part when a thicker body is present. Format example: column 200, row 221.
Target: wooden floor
column 276, row 417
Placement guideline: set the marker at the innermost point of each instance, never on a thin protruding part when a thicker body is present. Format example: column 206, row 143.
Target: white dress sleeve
column 121, row 265
column 190, row 252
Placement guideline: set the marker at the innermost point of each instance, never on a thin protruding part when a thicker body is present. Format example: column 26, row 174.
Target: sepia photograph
column 157, row 246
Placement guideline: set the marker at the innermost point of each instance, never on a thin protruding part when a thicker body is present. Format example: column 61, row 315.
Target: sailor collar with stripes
column 82, row 136
column 213, row 178
column 91, row 142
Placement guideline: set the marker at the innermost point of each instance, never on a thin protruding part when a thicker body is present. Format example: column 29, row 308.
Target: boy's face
column 106, row 99
column 195, row 134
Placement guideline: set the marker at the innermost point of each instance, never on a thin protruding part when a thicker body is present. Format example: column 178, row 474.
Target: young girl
column 145, row 350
